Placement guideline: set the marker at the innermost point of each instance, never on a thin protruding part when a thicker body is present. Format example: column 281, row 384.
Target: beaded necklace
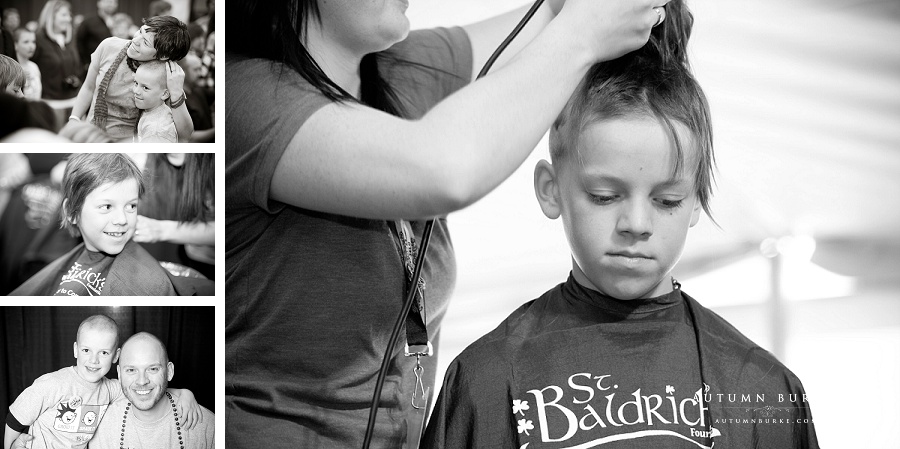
column 174, row 411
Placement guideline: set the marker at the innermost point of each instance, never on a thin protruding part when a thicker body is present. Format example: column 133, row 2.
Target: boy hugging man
column 64, row 408
column 150, row 94
column 618, row 356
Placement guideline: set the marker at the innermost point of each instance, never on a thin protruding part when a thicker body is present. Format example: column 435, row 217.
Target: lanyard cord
column 420, row 257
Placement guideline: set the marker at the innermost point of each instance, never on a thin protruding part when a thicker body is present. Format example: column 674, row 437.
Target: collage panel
column 105, row 377
column 107, row 224
column 123, row 71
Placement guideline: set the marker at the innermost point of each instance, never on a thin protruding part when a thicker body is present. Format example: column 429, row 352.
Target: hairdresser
column 342, row 129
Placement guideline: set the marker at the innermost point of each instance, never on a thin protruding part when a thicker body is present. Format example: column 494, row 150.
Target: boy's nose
column 635, row 219
column 119, row 218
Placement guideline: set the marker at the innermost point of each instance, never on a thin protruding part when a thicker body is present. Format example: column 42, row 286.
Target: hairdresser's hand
column 83, row 133
column 149, row 230
column 174, row 80
column 22, row 441
column 611, row 28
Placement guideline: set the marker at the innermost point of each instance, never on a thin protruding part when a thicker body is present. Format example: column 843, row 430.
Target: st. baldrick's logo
column 591, row 407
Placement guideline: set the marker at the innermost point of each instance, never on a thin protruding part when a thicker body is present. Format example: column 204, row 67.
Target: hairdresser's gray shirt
column 311, row 297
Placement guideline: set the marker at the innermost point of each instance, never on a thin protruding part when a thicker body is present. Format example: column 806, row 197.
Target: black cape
column 577, row 369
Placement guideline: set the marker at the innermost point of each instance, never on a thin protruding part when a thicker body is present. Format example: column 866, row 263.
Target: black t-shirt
column 575, row 368
column 86, row 276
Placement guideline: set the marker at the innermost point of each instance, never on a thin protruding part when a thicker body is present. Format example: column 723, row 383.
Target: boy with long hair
column 618, row 354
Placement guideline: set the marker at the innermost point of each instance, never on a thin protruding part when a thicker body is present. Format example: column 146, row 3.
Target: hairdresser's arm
column 486, row 35
column 86, row 93
column 150, row 231
column 352, row 160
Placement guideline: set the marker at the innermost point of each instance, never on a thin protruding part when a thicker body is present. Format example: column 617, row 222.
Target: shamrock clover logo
column 525, row 426
column 519, row 407
column 670, row 389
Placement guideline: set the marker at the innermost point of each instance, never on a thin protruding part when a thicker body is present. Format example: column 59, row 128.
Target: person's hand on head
column 611, row 28
column 174, row 81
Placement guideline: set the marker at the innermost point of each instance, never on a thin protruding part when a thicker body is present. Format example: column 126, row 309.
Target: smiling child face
column 149, row 86
column 109, row 215
column 95, row 351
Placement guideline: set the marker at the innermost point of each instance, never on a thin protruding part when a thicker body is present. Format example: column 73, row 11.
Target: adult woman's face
column 62, row 19
column 364, row 26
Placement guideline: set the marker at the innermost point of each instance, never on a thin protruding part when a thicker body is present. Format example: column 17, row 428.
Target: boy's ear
column 695, row 214
column 546, row 189
column 75, row 349
column 116, row 357
column 165, row 95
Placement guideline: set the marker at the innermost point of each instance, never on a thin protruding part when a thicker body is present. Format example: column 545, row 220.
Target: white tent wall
column 805, row 98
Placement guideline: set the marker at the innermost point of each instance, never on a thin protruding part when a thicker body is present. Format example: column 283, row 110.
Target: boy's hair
column 19, row 32
column 11, row 73
column 84, row 173
column 102, row 323
column 159, row 71
column 172, row 40
column 654, row 81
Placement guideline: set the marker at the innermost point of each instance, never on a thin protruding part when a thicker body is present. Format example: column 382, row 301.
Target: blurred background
column 805, row 99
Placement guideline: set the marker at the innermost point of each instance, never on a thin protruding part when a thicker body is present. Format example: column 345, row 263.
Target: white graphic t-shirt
column 86, row 276
column 62, row 409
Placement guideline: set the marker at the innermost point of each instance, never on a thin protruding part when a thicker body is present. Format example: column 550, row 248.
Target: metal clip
column 427, row 353
column 420, row 387
column 418, row 370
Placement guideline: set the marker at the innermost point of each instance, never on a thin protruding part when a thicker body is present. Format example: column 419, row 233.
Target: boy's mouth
column 92, row 370
column 114, row 234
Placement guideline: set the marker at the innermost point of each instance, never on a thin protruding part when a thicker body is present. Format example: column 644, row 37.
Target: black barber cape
column 577, row 369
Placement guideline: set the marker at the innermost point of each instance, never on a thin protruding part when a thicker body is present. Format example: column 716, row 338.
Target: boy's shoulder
column 739, row 357
column 137, row 273
column 526, row 322
column 54, row 377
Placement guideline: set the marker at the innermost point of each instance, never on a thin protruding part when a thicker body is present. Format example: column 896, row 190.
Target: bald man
column 146, row 416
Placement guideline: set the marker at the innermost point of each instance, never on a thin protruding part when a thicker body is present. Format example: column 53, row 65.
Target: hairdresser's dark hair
column 85, row 172
column 172, row 40
column 655, row 81
column 275, row 30
column 181, row 193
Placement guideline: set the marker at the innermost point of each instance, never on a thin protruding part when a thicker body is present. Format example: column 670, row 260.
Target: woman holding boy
column 106, row 99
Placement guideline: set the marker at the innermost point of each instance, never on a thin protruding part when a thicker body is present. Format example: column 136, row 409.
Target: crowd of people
column 82, row 65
